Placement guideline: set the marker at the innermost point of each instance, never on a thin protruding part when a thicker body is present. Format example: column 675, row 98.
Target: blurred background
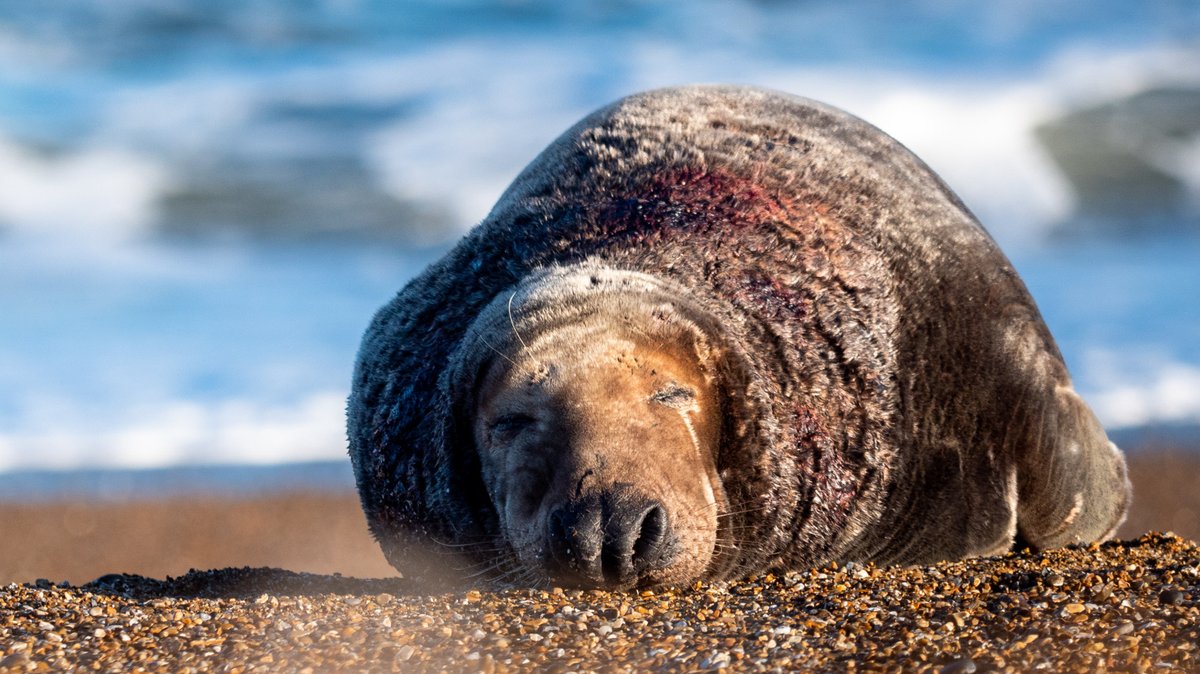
column 203, row 203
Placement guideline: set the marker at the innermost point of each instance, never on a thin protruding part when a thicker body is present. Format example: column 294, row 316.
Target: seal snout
column 611, row 539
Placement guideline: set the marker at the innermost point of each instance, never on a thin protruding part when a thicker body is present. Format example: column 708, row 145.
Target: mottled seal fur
column 853, row 370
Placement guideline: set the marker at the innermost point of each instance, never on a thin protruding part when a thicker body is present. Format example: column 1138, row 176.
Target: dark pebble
column 1171, row 596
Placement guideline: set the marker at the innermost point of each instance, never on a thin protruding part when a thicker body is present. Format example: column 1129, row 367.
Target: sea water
column 203, row 203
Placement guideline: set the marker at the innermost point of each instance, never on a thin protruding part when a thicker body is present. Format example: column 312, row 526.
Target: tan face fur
column 595, row 417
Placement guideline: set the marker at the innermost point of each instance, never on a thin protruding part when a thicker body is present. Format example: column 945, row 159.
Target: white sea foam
column 140, row 357
column 99, row 194
column 181, row 432
column 1141, row 388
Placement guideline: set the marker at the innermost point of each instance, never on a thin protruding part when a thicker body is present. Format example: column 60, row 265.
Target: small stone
column 1055, row 580
column 717, row 660
column 1171, row 596
column 18, row 659
column 960, row 666
column 405, row 653
column 1123, row 629
column 1075, row 608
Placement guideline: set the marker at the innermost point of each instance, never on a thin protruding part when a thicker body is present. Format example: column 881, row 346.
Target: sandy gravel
column 1128, row 606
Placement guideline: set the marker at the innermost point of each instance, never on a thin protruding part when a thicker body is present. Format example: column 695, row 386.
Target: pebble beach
column 1120, row 606
column 106, row 587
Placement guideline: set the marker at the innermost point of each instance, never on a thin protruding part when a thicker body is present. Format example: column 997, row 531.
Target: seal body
column 711, row 331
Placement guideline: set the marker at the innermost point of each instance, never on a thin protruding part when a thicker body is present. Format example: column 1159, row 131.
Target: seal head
column 592, row 399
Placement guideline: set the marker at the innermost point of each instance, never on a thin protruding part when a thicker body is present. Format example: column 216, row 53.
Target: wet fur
column 892, row 392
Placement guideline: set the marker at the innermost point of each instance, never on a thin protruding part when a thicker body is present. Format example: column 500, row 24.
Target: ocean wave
column 94, row 194
column 442, row 131
column 249, row 431
column 281, row 131
column 972, row 132
column 136, row 131
column 1142, row 388
column 181, row 432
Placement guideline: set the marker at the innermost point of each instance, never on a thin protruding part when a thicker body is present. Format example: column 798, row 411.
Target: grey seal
column 712, row 331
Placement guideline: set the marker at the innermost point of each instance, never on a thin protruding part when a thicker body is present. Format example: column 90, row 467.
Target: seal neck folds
column 597, row 422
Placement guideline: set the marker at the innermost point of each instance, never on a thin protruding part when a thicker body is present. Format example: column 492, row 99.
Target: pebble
column 960, row 666
column 1120, row 606
column 1171, row 596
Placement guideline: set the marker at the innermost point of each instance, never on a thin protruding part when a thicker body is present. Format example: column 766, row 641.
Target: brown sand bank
column 1131, row 606
column 81, row 541
column 326, row 533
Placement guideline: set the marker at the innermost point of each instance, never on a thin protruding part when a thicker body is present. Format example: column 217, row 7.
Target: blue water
column 202, row 203
column 156, row 484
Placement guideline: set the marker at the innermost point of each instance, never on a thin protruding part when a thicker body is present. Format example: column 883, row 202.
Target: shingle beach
column 1120, row 606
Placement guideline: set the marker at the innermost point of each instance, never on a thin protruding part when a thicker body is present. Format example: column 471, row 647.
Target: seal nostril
column 559, row 538
column 635, row 537
column 650, row 538
column 574, row 539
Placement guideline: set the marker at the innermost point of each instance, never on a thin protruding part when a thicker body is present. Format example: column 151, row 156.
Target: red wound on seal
column 688, row 200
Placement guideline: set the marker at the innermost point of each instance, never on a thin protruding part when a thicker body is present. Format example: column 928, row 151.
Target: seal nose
column 610, row 539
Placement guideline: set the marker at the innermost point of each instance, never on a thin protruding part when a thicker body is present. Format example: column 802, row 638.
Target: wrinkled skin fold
column 711, row 331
